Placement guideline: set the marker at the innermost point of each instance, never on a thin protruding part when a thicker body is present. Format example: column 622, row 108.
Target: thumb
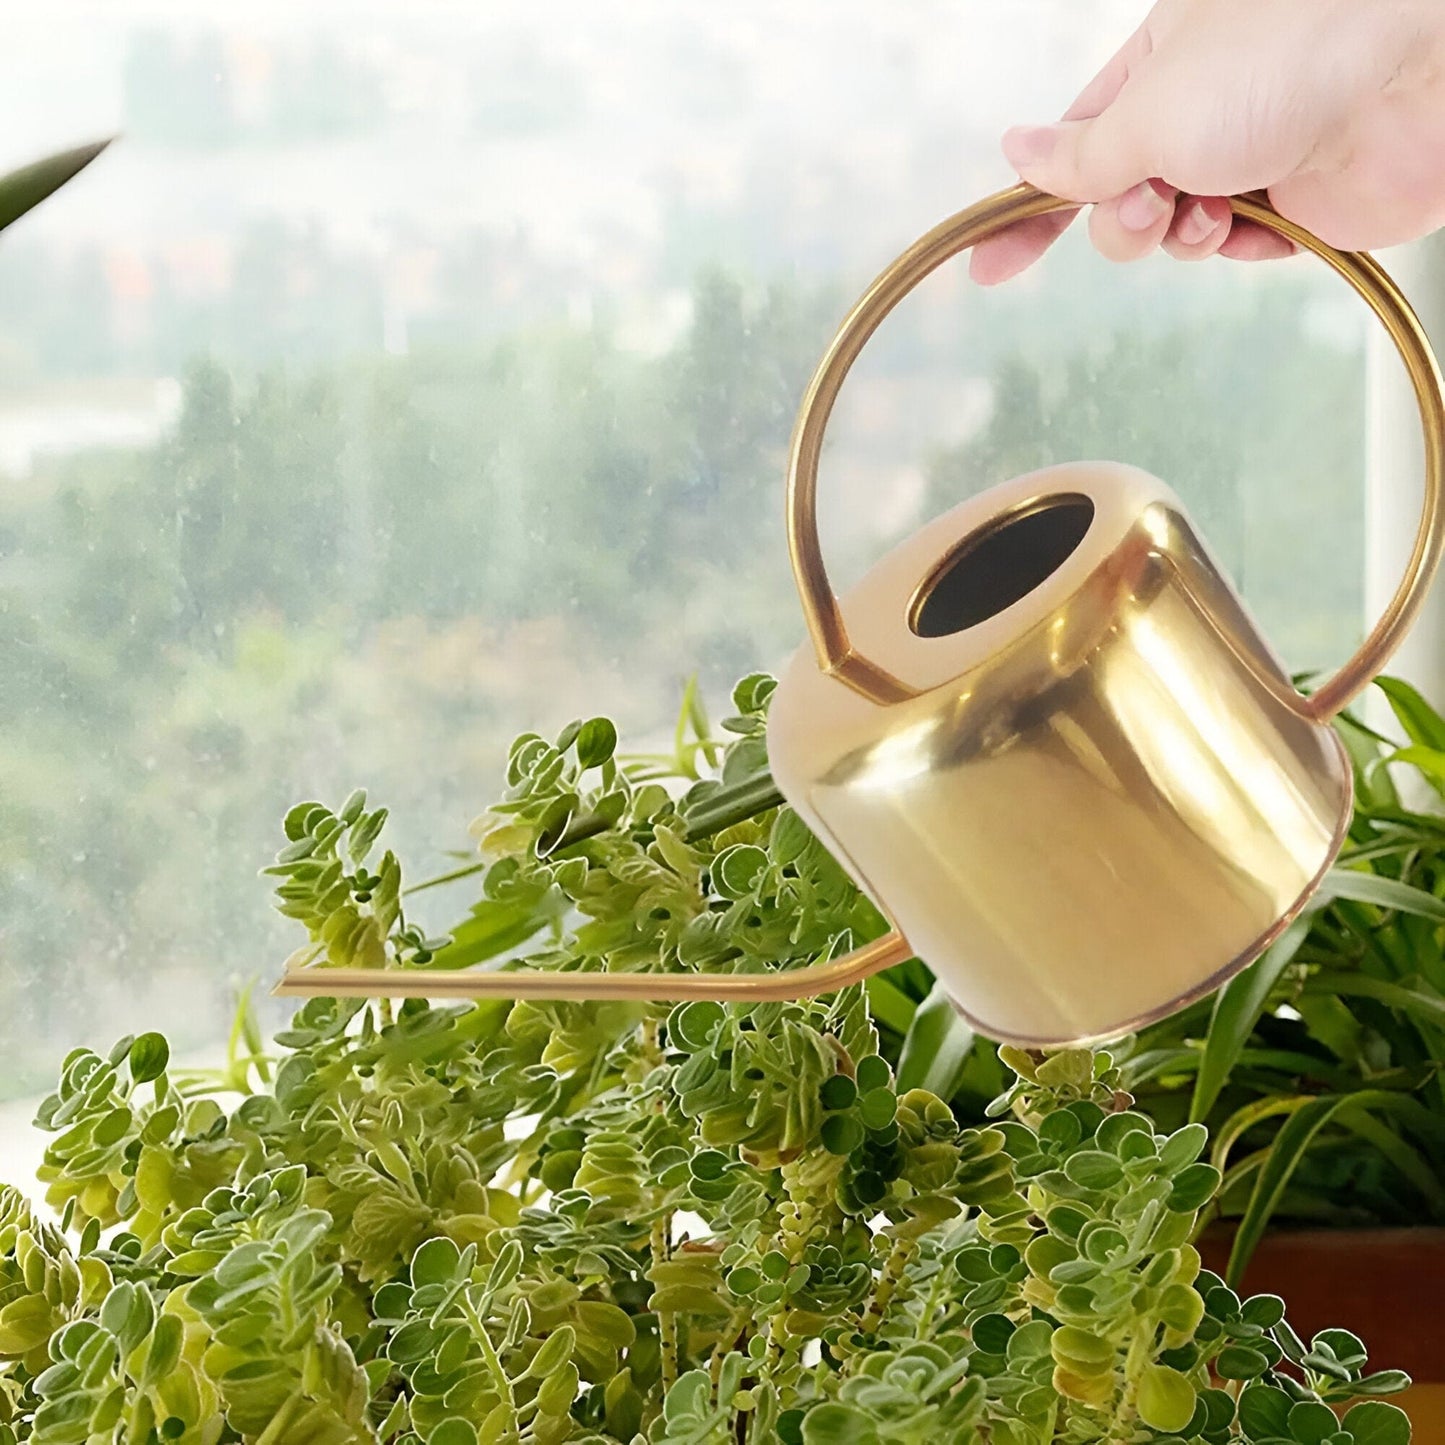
column 1086, row 160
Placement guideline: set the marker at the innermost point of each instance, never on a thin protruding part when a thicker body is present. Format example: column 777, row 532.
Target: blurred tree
column 1286, row 467
column 178, row 94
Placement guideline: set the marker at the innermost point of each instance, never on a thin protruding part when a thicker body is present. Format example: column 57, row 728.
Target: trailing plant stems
column 730, row 805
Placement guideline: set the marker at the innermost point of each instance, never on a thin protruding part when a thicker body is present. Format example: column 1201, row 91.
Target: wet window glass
column 410, row 375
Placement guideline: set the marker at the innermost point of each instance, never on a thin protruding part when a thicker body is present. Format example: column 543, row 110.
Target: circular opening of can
column 1000, row 564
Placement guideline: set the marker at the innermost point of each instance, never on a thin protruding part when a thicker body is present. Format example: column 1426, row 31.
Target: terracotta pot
column 1383, row 1285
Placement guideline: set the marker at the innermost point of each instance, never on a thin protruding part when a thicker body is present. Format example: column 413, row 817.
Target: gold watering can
column 1043, row 734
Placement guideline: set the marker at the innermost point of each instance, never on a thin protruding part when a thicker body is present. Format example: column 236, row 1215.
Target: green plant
column 568, row 1222
column 24, row 189
column 1317, row 1070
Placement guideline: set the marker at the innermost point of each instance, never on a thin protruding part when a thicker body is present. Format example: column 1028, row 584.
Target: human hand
column 1335, row 107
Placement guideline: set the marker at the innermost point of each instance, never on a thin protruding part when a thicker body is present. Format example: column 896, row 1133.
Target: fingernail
column 1196, row 225
column 1142, row 207
column 1027, row 145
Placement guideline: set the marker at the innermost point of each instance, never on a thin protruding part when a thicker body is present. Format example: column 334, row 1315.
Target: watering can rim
column 1127, row 507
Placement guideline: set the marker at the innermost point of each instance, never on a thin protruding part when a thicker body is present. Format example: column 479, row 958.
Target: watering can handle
column 836, row 655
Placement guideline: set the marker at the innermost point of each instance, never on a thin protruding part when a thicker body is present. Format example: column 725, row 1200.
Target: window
column 415, row 375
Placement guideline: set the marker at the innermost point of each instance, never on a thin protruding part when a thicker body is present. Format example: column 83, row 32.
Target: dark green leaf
column 842, row 1134
column 835, row 1424
column 435, row 1262
column 877, row 1108
column 992, row 1333
column 693, row 1025
column 455, row 1431
column 753, row 692
column 1240, row 1362
column 24, row 189
column 736, row 870
column 1372, row 1422
column 1348, row 1349
column 149, row 1055
column 1193, row 1188
column 1264, row 1310
column 1263, row 1412
column 1093, row 1169
column 1311, row 1423
column 412, row 1343
column 1183, row 1147
column 507, row 1266
column 1383, row 1382
column 596, row 742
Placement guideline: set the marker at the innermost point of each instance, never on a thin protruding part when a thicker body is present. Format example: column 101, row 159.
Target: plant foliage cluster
column 615, row 1224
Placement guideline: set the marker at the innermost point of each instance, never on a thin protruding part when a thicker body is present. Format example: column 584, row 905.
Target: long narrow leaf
column 1383, row 892
column 889, row 1005
column 1376, row 788
column 1290, row 1146
column 442, row 879
column 1411, row 1001
column 936, row 1047
column 1151, row 1064
column 492, row 928
column 23, row 190
column 1428, row 762
column 1237, row 1009
column 1422, row 823
column 1402, row 1154
column 1421, row 722
column 1239, row 1123
column 1170, row 1063
column 1387, row 847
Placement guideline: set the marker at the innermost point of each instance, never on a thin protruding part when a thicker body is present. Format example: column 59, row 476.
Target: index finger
column 1004, row 256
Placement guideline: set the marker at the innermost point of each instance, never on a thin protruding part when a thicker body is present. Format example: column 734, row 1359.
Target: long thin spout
column 651, row 987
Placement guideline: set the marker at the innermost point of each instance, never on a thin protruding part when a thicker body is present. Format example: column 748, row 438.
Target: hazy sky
column 854, row 81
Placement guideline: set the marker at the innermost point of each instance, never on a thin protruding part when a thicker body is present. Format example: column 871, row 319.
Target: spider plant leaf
column 1407, row 1159
column 1290, row 1145
column 1382, row 892
column 1237, row 1009
column 889, row 1005
column 1428, row 762
column 936, row 1047
column 1421, row 722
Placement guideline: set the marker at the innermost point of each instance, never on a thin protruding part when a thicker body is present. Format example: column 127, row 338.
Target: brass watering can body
column 1043, row 734
column 1091, row 803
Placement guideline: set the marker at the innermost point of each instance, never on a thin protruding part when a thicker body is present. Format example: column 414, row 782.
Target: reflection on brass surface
column 1093, row 804
column 1083, row 802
